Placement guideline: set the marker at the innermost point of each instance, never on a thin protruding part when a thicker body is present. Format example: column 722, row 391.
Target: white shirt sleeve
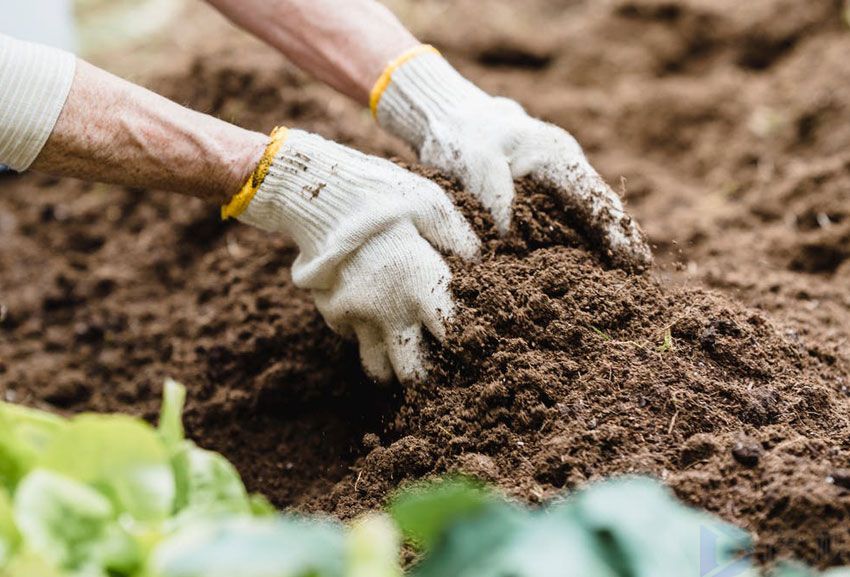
column 34, row 83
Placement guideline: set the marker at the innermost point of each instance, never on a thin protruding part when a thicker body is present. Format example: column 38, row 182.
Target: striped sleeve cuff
column 34, row 83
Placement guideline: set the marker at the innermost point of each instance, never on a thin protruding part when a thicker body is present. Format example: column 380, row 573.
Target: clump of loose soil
column 559, row 370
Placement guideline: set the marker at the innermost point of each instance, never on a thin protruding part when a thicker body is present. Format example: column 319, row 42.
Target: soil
column 724, row 371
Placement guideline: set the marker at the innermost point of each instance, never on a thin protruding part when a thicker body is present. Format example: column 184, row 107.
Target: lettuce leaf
column 9, row 537
column 642, row 530
column 205, row 482
column 426, row 510
column 372, row 548
column 212, row 485
column 250, row 547
column 71, row 526
column 122, row 457
column 24, row 435
column 29, row 564
column 626, row 527
column 171, row 414
column 458, row 524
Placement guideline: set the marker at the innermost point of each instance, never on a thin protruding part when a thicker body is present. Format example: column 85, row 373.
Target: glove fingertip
column 373, row 354
column 437, row 316
column 497, row 195
column 462, row 240
column 379, row 370
column 490, row 180
column 410, row 369
column 502, row 222
column 468, row 245
column 407, row 355
column 627, row 246
column 600, row 211
column 636, row 256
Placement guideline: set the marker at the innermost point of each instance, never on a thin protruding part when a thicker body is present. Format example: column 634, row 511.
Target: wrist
column 309, row 189
column 249, row 171
column 416, row 91
column 330, row 199
column 240, row 160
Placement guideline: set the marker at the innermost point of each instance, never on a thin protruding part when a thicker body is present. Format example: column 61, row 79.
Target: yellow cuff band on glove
column 242, row 199
column 385, row 78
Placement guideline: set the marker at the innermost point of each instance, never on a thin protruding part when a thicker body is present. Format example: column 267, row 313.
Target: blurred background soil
column 726, row 124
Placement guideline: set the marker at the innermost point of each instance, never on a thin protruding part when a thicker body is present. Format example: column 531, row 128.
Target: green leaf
column 631, row 527
column 171, row 415
column 784, row 569
column 213, row 485
column 667, row 341
column 71, row 526
column 250, row 547
column 632, row 520
column 545, row 547
column 373, row 548
column 9, row 536
column 15, row 460
column 605, row 336
column 501, row 540
column 29, row 564
column 173, row 435
column 467, row 545
column 121, row 456
column 261, row 506
column 205, row 482
column 24, row 435
column 425, row 511
column 33, row 428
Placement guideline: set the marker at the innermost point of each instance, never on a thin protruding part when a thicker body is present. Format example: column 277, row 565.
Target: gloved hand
column 487, row 142
column 367, row 232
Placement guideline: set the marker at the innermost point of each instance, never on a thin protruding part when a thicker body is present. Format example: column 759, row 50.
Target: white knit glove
column 487, row 142
column 367, row 232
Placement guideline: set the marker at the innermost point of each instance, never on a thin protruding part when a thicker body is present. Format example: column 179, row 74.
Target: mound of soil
column 559, row 370
column 724, row 371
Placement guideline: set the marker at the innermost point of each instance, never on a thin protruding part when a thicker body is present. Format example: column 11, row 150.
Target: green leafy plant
column 111, row 496
column 628, row 527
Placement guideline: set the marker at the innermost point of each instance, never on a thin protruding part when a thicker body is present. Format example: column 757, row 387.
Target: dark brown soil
column 559, row 371
column 725, row 371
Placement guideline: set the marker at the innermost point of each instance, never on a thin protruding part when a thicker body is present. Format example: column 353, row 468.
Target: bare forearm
column 113, row 131
column 345, row 43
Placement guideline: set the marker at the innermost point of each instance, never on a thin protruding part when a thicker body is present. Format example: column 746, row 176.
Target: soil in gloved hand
column 560, row 369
